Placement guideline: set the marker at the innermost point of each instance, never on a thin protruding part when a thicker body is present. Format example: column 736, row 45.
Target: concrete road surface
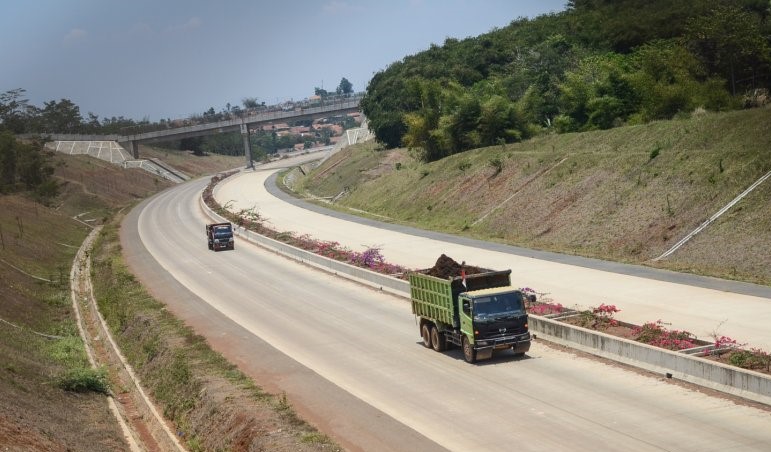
column 349, row 358
column 741, row 311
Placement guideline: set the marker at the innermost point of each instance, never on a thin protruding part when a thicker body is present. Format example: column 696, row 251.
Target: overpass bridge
column 242, row 124
column 131, row 142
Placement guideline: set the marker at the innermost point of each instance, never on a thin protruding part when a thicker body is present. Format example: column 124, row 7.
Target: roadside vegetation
column 212, row 405
column 596, row 65
column 48, row 387
column 626, row 194
column 572, row 132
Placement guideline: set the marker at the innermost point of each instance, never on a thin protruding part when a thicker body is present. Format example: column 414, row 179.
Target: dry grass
column 35, row 414
column 626, row 194
column 41, row 242
column 190, row 164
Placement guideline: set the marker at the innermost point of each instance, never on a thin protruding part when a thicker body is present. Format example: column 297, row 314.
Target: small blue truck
column 220, row 236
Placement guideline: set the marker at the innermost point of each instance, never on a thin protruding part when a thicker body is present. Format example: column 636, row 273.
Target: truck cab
column 493, row 319
column 220, row 236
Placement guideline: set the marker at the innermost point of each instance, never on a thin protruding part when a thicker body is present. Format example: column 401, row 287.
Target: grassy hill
column 38, row 246
column 192, row 385
column 626, row 194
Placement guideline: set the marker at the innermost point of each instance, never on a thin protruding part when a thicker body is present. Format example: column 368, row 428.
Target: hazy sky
column 171, row 58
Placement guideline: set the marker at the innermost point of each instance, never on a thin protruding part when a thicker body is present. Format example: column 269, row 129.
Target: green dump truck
column 479, row 313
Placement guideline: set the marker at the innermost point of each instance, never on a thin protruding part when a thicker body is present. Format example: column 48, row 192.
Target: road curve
column 687, row 302
column 358, row 371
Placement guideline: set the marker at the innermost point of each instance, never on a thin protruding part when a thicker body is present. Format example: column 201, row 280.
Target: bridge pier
column 131, row 146
column 247, row 146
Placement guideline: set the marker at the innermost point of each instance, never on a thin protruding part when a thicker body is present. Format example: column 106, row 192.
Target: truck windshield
column 222, row 233
column 500, row 305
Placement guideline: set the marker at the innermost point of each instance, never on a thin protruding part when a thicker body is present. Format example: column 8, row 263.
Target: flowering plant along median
column 600, row 318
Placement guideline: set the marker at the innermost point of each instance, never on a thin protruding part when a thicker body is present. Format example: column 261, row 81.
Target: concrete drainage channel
column 743, row 383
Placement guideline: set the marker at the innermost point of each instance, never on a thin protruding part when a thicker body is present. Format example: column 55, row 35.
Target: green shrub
column 84, row 380
column 497, row 164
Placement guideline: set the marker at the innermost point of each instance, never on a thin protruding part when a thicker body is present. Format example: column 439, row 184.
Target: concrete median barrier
column 744, row 383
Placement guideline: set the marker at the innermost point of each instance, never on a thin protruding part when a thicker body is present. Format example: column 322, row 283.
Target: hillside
column 37, row 247
column 40, row 242
column 596, row 65
column 626, row 194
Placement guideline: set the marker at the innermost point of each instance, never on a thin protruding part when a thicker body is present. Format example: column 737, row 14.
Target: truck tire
column 437, row 340
column 469, row 354
column 425, row 333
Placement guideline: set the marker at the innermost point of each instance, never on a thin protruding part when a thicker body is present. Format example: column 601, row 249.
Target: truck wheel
column 425, row 333
column 469, row 354
column 437, row 340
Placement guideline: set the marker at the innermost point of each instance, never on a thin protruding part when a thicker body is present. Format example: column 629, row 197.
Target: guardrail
column 744, row 383
column 342, row 104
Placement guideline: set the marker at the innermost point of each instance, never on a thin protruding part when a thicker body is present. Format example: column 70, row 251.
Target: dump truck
column 220, row 236
column 479, row 313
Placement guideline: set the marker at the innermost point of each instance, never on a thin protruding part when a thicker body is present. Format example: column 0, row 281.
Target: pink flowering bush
column 654, row 333
column 725, row 342
column 604, row 314
column 599, row 318
column 546, row 309
column 370, row 258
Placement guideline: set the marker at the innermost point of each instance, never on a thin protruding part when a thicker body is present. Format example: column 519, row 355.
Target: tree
column 597, row 94
column 14, row 111
column 729, row 41
column 25, row 166
column 8, row 161
column 60, row 117
column 321, row 92
column 250, row 102
column 92, row 125
column 668, row 79
column 345, row 87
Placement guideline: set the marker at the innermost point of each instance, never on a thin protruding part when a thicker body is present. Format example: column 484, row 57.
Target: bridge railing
column 274, row 112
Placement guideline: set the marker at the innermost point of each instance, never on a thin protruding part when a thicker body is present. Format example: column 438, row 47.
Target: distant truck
column 479, row 313
column 220, row 236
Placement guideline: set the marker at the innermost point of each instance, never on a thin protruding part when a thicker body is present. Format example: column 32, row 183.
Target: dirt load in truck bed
column 447, row 267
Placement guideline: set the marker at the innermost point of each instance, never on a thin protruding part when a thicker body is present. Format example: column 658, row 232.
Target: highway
column 571, row 281
column 350, row 360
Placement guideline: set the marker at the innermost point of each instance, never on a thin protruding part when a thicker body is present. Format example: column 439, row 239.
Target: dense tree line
column 599, row 64
column 18, row 116
column 63, row 116
column 25, row 167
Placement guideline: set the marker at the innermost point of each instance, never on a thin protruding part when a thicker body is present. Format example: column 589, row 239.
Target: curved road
column 349, row 359
column 697, row 304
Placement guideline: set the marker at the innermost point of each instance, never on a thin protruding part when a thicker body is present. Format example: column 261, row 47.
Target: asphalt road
column 350, row 360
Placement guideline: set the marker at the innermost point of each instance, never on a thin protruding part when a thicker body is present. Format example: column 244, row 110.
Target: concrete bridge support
column 131, row 146
column 247, row 146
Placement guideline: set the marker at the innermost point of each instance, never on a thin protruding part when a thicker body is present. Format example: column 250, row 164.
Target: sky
column 167, row 59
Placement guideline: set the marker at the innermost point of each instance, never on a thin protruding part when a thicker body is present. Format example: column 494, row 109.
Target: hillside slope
column 626, row 194
column 37, row 247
